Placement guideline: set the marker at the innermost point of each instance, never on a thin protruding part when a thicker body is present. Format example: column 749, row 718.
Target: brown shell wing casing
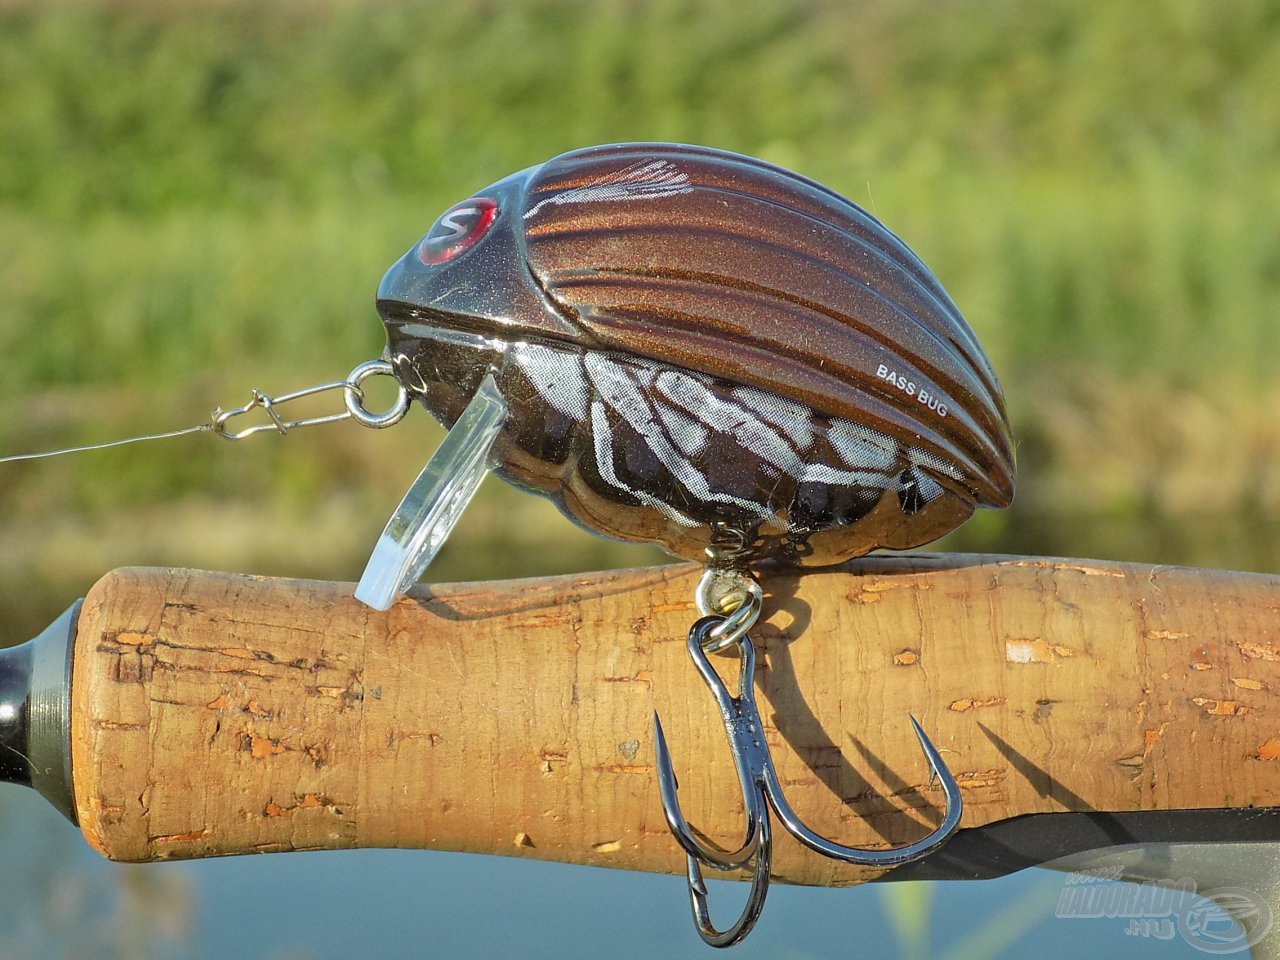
column 756, row 275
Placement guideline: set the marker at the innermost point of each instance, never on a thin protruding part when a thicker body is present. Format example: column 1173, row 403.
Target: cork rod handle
column 220, row 714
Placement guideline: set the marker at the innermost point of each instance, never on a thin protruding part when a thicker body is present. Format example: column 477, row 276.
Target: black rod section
column 15, row 703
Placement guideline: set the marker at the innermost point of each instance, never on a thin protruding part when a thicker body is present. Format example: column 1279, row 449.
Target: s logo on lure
column 457, row 230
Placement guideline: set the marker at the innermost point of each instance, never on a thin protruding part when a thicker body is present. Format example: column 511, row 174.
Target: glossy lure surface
column 688, row 339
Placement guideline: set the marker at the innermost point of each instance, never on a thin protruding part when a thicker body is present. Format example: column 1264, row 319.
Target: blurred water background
column 197, row 198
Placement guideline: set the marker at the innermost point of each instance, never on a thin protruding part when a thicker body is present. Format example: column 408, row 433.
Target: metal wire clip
column 352, row 395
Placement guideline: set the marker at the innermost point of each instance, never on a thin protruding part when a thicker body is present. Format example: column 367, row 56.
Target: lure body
column 686, row 337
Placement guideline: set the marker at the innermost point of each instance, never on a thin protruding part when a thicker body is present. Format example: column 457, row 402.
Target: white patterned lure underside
column 677, row 412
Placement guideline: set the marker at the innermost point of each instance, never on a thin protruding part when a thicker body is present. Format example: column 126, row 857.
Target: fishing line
column 201, row 428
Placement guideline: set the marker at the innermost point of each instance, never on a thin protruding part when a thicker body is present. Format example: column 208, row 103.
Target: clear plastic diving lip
column 434, row 503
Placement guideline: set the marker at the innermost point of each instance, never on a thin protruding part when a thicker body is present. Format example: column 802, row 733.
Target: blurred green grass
column 196, row 199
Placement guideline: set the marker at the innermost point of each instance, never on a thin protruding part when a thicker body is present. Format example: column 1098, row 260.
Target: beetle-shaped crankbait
column 687, row 338
column 693, row 348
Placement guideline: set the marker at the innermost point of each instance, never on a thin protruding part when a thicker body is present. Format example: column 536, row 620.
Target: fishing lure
column 687, row 347
column 688, row 340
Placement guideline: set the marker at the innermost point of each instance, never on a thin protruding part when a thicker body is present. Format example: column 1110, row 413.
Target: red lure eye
column 457, row 230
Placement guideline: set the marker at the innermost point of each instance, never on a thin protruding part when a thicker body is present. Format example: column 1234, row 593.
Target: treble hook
column 761, row 790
